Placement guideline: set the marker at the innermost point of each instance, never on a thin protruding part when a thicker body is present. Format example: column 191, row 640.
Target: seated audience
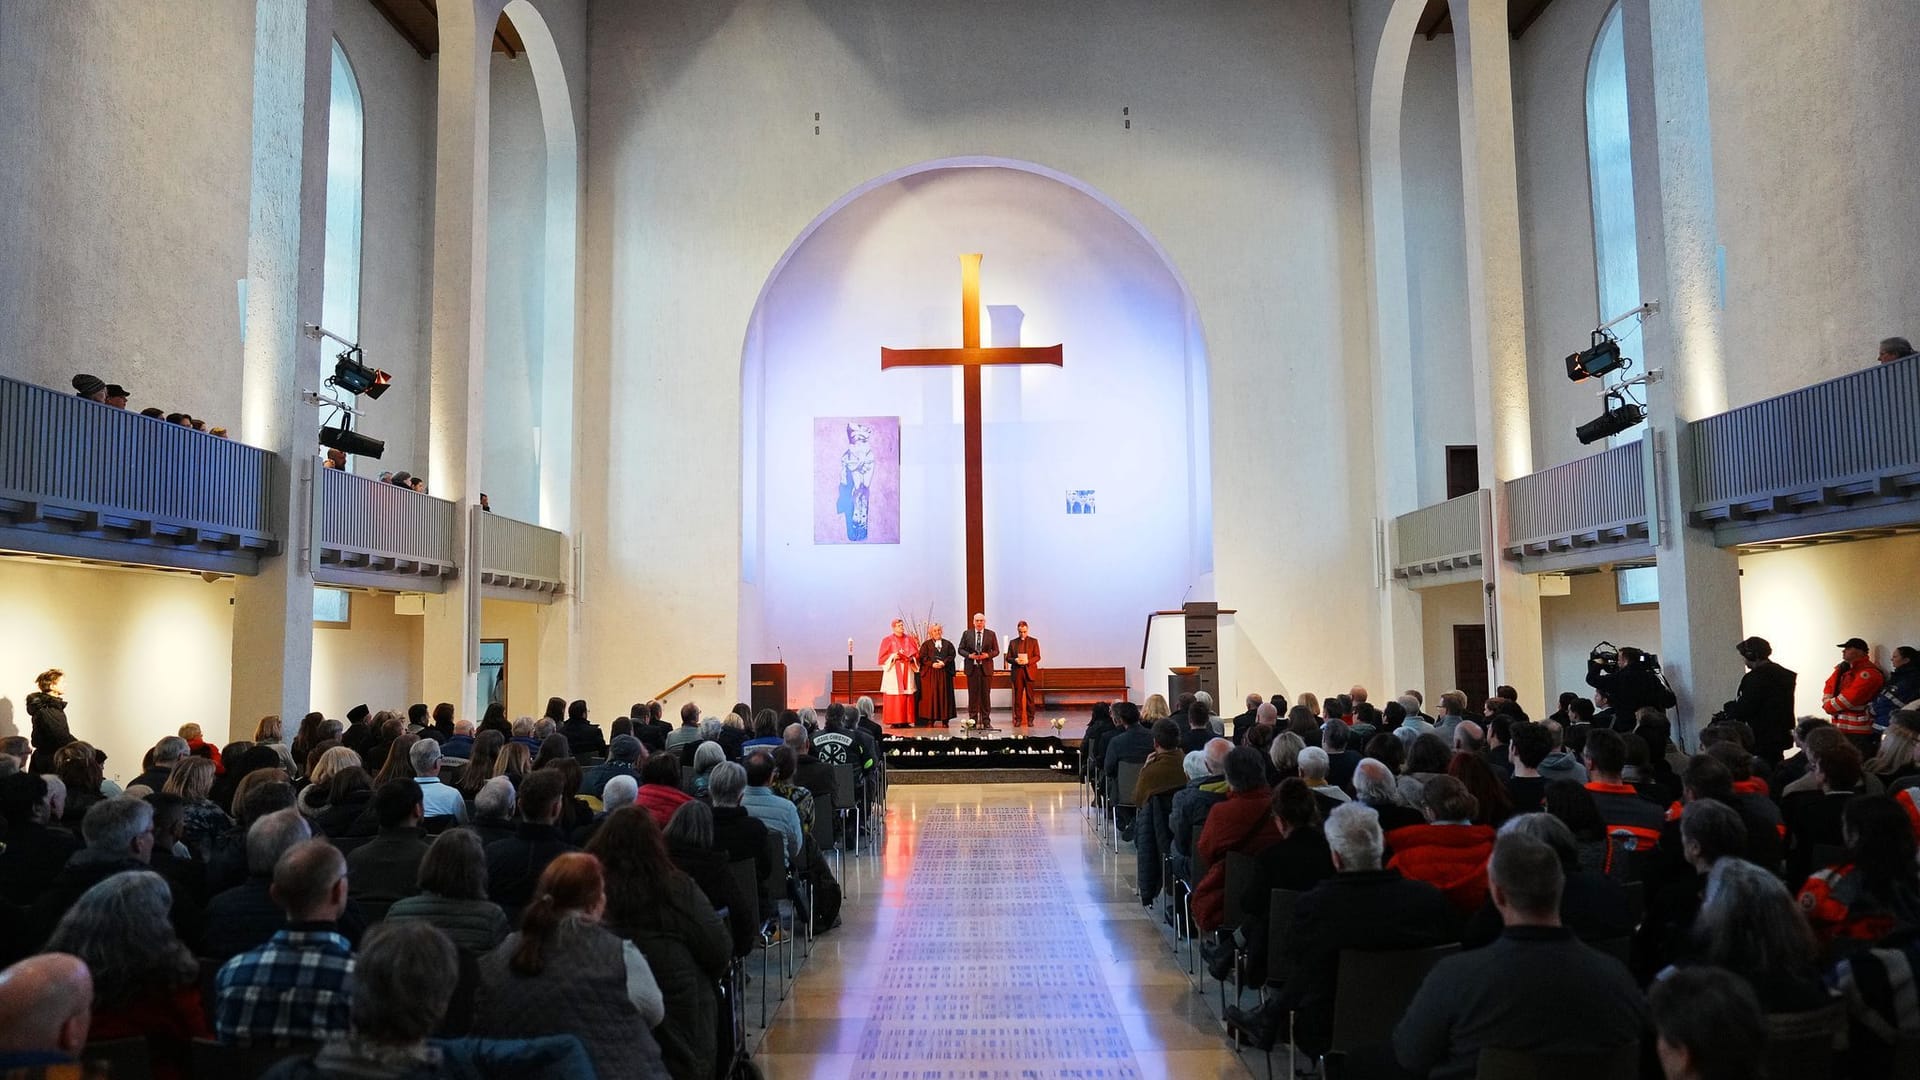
column 119, row 838
column 1313, row 764
column 1898, row 758
column 1749, row 925
column 1526, row 788
column 1242, row 822
column 705, row 758
column 402, row 988
column 1518, row 992
column 1374, row 785
column 1710, row 831
column 766, row 805
column 785, row 764
column 78, row 765
column 1631, row 820
column 1361, row 907
column 1338, row 741
column 514, row 864
column 246, row 915
column 312, row 800
column 1449, row 851
column 1708, row 1026
column 459, row 745
column 583, row 736
column 451, row 894
column 32, row 851
column 146, row 983
column 660, row 793
column 1560, row 764
column 493, row 811
column 1298, row 862
column 398, row 762
column 564, row 973
column 47, row 1000
column 1592, row 905
column 1161, row 775
column 480, row 761
column 809, row 771
column 623, row 759
column 294, row 988
column 1875, row 890
column 1489, row 794
column 347, row 811
column 387, row 868
column 655, row 906
column 1813, row 818
column 165, row 753
column 1427, row 758
column 735, row 831
column 197, row 744
column 1129, row 746
column 1206, row 786
column 690, row 844
column 438, row 800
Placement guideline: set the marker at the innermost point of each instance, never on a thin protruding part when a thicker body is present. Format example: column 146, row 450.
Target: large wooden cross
column 970, row 358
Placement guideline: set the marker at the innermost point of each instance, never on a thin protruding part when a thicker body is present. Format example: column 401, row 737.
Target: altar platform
column 959, row 754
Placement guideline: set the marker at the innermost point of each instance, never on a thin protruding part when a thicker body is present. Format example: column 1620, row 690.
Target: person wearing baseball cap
column 1849, row 692
column 117, row 395
column 1765, row 699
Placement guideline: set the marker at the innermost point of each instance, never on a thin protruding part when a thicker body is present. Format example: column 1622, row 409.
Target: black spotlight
column 356, row 378
column 1597, row 359
column 345, row 439
column 1621, row 414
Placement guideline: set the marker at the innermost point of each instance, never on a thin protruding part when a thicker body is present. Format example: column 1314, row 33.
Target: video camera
column 1606, row 657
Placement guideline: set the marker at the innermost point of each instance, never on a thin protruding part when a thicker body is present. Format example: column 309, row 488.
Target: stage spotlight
column 356, row 378
column 344, row 438
column 1620, row 415
column 1598, row 359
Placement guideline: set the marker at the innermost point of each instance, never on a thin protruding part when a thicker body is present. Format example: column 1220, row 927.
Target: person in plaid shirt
column 298, row 987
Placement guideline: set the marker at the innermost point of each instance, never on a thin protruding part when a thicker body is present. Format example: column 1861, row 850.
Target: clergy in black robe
column 937, row 658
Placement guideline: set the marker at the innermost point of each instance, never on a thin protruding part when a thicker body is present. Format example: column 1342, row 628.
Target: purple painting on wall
column 856, row 479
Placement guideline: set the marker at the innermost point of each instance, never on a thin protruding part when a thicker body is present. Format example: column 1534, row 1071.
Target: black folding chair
column 1621, row 1063
column 1372, row 991
column 846, row 800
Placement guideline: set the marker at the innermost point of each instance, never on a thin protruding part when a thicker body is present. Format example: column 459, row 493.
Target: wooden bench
column 1058, row 686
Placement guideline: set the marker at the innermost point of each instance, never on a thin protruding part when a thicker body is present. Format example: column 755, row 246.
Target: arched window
column 346, row 120
column 1616, row 251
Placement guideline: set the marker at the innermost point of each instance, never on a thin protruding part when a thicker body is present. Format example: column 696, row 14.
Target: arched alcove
column 1126, row 417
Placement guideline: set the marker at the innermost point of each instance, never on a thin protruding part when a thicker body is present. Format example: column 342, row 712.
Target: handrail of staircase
column 716, row 677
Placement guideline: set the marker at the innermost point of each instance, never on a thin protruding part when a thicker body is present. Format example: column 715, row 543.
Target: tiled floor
column 993, row 939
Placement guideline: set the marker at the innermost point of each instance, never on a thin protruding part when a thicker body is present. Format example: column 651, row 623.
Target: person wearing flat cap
column 1849, row 692
column 117, row 395
column 91, row 387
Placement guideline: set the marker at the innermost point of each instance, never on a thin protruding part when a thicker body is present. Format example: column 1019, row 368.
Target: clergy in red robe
column 937, row 658
column 899, row 656
column 1023, row 661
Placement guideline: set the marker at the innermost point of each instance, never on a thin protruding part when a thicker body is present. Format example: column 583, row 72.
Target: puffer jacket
column 1452, row 858
column 1242, row 822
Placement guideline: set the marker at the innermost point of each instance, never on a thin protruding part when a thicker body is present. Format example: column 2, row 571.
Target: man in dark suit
column 980, row 646
column 1245, row 721
column 1765, row 699
column 1362, row 906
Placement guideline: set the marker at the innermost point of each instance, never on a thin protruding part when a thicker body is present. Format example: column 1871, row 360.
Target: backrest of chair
column 1800, row 1045
column 822, row 830
column 1620, row 1063
column 1198, row 858
column 1373, row 989
column 214, row 1059
column 686, row 778
column 1239, row 874
column 1279, row 921
column 846, row 787
column 746, row 882
column 1636, row 901
column 1123, row 787
column 775, row 885
column 122, row 1058
column 438, row 823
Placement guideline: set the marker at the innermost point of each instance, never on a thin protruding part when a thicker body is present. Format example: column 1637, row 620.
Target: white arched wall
column 880, row 266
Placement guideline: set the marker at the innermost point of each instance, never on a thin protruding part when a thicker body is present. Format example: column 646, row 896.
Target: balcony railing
column 1829, row 457
column 1586, row 511
column 364, row 527
column 1442, row 539
column 83, row 479
column 516, row 555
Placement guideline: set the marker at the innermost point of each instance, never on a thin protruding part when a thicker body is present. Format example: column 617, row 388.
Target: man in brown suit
column 1023, row 660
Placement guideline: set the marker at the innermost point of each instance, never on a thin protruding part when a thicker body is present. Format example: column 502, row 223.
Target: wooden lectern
column 769, row 686
column 1183, row 680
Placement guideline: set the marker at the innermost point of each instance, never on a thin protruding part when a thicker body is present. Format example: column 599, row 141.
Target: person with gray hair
column 620, row 791
column 1750, row 924
column 1894, row 348
column 1592, row 905
column 493, row 807
column 1313, row 770
column 165, row 753
column 1517, row 992
column 706, row 758
column 735, row 831
column 1361, row 907
column 726, row 783
column 437, row 799
column 1192, row 803
column 119, row 837
column 244, row 916
column 1469, row 738
column 145, row 980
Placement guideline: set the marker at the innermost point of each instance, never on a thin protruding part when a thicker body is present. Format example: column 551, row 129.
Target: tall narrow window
column 1616, row 250
column 340, row 291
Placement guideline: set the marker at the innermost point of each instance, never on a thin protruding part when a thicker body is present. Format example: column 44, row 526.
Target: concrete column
column 1497, row 329
column 1679, row 266
column 456, row 417
column 286, row 248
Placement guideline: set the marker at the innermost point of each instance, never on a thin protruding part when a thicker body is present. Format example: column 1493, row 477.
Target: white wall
column 375, row 661
column 1436, row 270
column 884, row 270
column 144, row 652
column 124, row 163
column 1441, row 610
column 522, row 627
column 1241, row 161
column 397, row 93
column 1804, row 601
column 1814, row 151
column 1589, row 614
column 516, row 256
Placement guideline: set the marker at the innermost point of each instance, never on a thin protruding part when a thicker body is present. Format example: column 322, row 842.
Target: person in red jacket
column 198, row 745
column 660, row 793
column 1449, row 852
column 1849, row 694
column 1242, row 822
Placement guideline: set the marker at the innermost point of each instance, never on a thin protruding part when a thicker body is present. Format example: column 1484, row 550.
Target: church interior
column 508, row 354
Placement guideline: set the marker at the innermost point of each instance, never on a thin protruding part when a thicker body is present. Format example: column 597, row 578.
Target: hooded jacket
column 1452, row 858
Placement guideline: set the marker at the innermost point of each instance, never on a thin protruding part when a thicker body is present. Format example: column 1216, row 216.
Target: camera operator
column 1631, row 682
column 1765, row 699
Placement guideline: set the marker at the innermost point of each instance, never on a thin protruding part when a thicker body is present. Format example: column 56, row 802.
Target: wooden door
column 1470, row 664
column 1463, row 470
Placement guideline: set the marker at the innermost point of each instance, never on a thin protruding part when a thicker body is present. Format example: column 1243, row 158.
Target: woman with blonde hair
column 397, row 767
column 313, row 798
column 1895, row 761
column 192, row 779
column 1308, row 701
column 514, row 762
column 1154, row 710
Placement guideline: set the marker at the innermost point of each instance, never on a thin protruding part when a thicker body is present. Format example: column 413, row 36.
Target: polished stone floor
column 993, row 937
